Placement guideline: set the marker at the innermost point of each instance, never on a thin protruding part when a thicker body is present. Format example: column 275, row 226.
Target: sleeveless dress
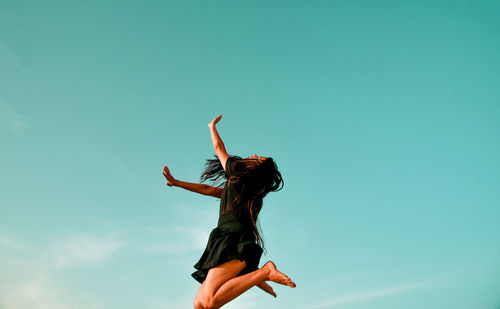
column 233, row 237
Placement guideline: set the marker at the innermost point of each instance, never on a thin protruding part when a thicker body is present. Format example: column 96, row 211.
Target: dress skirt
column 229, row 240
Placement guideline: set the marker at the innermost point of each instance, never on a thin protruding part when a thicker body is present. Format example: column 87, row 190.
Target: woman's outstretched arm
column 219, row 147
column 195, row 187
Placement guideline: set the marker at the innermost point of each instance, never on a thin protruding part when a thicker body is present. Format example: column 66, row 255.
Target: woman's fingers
column 215, row 120
column 168, row 176
column 166, row 172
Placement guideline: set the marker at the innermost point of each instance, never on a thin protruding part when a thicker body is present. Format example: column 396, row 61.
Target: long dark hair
column 253, row 180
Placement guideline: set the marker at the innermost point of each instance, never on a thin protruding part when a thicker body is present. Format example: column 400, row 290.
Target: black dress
column 233, row 237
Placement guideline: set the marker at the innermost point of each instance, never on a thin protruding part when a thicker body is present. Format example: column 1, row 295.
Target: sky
column 382, row 116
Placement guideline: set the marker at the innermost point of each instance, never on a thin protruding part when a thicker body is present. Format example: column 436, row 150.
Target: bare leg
column 236, row 286
column 222, row 286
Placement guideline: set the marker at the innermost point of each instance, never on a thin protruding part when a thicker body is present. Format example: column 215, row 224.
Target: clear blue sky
column 383, row 117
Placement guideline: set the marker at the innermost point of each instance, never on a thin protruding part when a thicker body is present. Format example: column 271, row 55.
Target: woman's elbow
column 215, row 192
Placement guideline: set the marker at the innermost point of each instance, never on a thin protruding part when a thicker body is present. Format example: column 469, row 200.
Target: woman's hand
column 267, row 288
column 170, row 179
column 214, row 121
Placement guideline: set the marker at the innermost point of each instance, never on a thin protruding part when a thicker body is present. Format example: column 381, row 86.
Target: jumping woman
column 229, row 265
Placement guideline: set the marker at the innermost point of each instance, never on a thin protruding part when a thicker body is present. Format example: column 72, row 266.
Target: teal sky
column 383, row 118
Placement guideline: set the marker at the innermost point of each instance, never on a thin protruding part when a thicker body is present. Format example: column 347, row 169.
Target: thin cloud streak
column 40, row 293
column 28, row 283
column 188, row 235
column 9, row 242
column 8, row 58
column 171, row 240
column 11, row 119
column 83, row 249
column 365, row 295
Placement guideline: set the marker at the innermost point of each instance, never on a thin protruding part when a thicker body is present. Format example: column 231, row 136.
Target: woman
column 229, row 265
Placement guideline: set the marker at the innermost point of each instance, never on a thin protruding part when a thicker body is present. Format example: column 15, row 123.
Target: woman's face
column 256, row 157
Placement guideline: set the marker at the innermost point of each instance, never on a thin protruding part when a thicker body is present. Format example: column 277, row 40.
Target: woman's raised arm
column 194, row 187
column 219, row 147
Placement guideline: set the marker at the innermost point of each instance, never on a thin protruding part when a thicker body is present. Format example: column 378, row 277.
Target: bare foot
column 277, row 276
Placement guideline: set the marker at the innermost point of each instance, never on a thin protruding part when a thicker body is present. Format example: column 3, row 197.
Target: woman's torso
column 228, row 209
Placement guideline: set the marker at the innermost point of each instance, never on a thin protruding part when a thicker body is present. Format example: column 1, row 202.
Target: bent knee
column 204, row 303
column 198, row 304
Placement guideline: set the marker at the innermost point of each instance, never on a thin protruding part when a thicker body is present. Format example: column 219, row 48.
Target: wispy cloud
column 83, row 249
column 370, row 294
column 171, row 240
column 34, row 266
column 29, row 266
column 8, row 58
column 187, row 235
column 9, row 241
column 345, row 277
column 163, row 303
column 194, row 238
column 40, row 293
column 11, row 119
